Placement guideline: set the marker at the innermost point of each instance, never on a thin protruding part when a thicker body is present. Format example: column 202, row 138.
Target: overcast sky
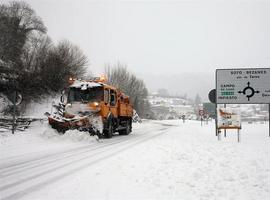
column 171, row 44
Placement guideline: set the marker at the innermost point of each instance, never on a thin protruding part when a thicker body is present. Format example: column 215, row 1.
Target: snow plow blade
column 82, row 123
column 60, row 125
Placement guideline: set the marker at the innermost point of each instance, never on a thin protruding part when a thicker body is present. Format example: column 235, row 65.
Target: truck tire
column 127, row 129
column 108, row 132
column 60, row 131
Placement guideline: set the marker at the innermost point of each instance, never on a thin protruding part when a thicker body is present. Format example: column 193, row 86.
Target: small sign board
column 210, row 109
column 229, row 118
column 201, row 112
column 243, row 86
column 206, row 116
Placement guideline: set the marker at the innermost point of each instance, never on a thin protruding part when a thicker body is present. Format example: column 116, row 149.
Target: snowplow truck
column 93, row 106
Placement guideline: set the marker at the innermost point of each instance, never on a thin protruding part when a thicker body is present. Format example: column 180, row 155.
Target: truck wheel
column 61, row 131
column 127, row 129
column 108, row 132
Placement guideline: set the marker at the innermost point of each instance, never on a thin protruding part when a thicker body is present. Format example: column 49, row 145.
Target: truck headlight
column 96, row 104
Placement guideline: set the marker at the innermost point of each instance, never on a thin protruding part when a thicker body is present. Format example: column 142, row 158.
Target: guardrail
column 21, row 123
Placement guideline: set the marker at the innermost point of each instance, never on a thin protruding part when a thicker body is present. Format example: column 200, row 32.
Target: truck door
column 113, row 103
column 106, row 106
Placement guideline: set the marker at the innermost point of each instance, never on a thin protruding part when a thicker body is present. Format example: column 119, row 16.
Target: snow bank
column 71, row 135
column 37, row 109
column 42, row 132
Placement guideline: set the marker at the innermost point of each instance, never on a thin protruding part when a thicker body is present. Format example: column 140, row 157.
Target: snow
column 4, row 102
column 85, row 84
column 159, row 160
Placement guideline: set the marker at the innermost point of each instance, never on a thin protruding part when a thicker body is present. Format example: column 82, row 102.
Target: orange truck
column 93, row 106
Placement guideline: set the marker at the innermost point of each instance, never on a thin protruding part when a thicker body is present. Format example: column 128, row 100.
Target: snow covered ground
column 159, row 160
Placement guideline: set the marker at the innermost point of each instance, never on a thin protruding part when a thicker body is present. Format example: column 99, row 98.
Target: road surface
column 159, row 160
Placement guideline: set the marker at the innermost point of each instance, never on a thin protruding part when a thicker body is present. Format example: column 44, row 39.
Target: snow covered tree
column 34, row 64
column 18, row 22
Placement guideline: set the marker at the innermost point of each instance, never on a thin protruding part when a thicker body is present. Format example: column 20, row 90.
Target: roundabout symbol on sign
column 250, row 92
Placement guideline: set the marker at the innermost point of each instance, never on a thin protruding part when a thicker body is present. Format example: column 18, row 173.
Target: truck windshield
column 94, row 94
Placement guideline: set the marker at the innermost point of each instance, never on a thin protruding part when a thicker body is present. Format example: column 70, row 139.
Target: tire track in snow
column 12, row 164
column 14, row 194
column 52, row 160
column 38, row 157
column 132, row 143
column 47, row 170
column 11, row 169
column 13, row 160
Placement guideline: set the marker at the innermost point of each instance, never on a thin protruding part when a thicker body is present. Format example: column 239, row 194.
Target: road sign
column 210, row 109
column 243, row 86
column 201, row 112
column 212, row 96
column 229, row 118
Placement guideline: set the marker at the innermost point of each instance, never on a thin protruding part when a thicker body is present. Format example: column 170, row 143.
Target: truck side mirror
column 62, row 99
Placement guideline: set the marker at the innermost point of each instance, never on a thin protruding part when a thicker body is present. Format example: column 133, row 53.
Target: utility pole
column 225, row 133
column 14, row 105
column 14, row 110
column 216, row 121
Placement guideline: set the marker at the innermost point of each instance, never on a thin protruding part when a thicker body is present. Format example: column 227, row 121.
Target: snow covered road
column 159, row 160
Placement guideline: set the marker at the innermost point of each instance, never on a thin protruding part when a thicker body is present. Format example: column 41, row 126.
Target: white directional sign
column 241, row 86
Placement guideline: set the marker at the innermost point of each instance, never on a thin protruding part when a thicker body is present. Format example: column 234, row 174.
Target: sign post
column 213, row 99
column 201, row 113
column 14, row 111
column 216, row 121
column 238, row 135
column 225, row 133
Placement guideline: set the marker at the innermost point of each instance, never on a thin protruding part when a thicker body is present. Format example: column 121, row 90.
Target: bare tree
column 73, row 58
column 63, row 61
column 34, row 60
column 120, row 77
column 48, row 67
